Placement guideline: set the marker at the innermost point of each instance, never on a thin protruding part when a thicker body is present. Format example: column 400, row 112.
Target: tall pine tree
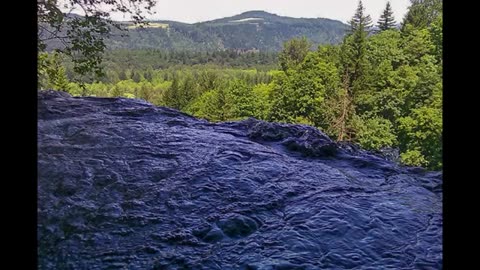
column 355, row 45
column 360, row 21
column 51, row 72
column 171, row 97
column 386, row 21
column 355, row 66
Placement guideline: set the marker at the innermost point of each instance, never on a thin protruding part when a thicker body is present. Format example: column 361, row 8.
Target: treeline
column 145, row 64
column 160, row 59
column 117, row 61
column 379, row 89
column 173, row 87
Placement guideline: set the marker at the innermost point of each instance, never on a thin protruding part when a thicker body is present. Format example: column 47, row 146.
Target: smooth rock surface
column 123, row 184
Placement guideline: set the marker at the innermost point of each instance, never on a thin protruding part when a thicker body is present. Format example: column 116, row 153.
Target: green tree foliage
column 233, row 101
column 385, row 46
column 122, row 76
column 374, row 133
column 293, row 53
column 147, row 92
column 420, row 136
column 82, row 38
column 436, row 33
column 354, row 69
column 136, row 77
column 386, row 21
column 172, row 96
column 416, row 43
column 384, row 95
column 242, row 99
column 340, row 113
column 51, row 73
column 262, row 100
column 354, row 49
column 162, row 59
column 208, row 80
column 301, row 95
column 360, row 22
column 422, row 13
column 117, row 91
column 214, row 105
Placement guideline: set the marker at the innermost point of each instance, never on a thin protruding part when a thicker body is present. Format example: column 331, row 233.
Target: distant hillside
column 253, row 30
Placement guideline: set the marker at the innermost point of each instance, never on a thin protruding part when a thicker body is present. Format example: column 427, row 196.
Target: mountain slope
column 123, row 184
column 249, row 30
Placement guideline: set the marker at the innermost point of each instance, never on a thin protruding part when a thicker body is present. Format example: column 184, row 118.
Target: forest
column 380, row 88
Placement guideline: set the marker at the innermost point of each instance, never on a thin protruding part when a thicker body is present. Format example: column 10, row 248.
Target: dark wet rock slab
column 126, row 185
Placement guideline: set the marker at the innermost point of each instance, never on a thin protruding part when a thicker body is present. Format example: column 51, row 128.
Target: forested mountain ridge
column 253, row 30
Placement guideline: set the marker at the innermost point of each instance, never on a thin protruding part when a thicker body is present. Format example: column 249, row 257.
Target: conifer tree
column 52, row 75
column 148, row 75
column 61, row 82
column 354, row 45
column 122, row 76
column 360, row 21
column 136, row 77
column 386, row 21
column 172, row 95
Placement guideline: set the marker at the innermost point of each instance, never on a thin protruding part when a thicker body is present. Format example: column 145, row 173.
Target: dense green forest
column 117, row 60
column 379, row 89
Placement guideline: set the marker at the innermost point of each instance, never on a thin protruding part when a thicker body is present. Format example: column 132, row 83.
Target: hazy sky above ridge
column 192, row 11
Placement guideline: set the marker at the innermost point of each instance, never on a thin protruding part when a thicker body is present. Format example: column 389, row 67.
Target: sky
column 192, row 11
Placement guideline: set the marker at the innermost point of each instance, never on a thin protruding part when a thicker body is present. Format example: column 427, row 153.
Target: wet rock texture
column 123, row 184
